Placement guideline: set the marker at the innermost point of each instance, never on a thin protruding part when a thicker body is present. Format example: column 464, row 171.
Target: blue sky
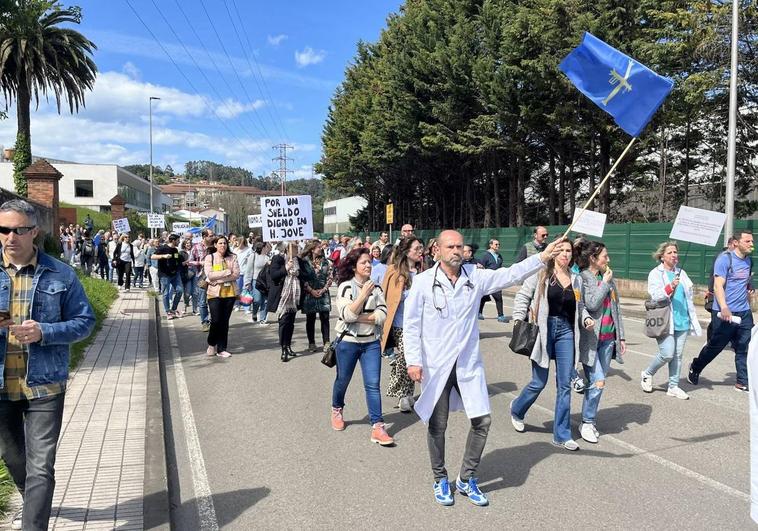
column 268, row 79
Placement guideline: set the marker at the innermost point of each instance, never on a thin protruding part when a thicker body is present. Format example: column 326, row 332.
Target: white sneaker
column 406, row 405
column 677, row 392
column 518, row 425
column 569, row 445
column 589, row 433
column 646, row 382
column 18, row 521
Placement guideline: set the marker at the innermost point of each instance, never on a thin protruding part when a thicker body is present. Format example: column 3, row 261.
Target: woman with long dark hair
column 317, row 277
column 361, row 313
column 285, row 294
column 395, row 286
column 221, row 271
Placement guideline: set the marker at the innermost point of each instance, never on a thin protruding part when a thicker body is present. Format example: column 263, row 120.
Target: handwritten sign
column 698, row 226
column 156, row 221
column 287, row 218
column 589, row 222
column 121, row 225
column 180, row 227
column 254, row 220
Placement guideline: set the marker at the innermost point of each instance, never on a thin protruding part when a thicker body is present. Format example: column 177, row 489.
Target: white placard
column 156, row 221
column 698, row 226
column 121, row 225
column 287, row 218
column 254, row 220
column 590, row 222
column 180, row 227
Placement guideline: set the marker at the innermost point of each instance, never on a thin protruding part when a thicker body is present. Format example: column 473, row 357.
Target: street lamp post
column 152, row 209
column 732, row 145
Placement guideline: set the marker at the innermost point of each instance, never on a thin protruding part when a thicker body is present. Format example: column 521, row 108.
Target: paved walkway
column 99, row 469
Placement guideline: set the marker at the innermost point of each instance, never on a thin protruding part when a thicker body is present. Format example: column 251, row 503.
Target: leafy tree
column 38, row 56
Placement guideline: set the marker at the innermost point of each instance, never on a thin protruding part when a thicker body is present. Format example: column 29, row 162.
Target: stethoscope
column 437, row 284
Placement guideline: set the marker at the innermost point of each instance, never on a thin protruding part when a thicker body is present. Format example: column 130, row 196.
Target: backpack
column 88, row 249
column 709, row 297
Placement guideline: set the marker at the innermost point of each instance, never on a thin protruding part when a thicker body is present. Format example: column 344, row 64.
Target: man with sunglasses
column 493, row 260
column 536, row 246
column 43, row 310
column 441, row 335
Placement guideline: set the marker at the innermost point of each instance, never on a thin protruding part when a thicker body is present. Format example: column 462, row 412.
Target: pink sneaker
column 170, row 316
column 338, row 423
column 380, row 436
column 211, row 351
column 224, row 354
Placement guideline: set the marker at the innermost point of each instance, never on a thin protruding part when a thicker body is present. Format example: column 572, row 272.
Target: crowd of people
column 417, row 305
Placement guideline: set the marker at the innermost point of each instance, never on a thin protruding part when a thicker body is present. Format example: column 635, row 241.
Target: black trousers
column 125, row 270
column 286, row 328
column 310, row 326
column 498, row 298
column 221, row 311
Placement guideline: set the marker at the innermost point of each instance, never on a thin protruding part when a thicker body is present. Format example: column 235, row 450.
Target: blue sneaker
column 481, row 317
column 502, row 319
column 471, row 489
column 442, row 494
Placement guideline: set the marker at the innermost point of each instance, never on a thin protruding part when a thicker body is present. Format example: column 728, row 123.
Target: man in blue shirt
column 493, row 260
column 731, row 280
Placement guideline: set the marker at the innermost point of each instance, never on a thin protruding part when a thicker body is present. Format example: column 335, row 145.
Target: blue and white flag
column 622, row 87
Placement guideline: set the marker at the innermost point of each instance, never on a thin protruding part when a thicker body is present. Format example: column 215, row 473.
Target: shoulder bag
column 657, row 318
column 330, row 351
column 203, row 282
column 526, row 334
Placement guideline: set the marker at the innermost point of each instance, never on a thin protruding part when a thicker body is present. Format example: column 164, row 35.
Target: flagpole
column 732, row 156
column 600, row 186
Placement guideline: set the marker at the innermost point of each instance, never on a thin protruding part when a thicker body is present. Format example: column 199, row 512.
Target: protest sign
column 180, row 227
column 698, row 226
column 254, row 220
column 287, row 218
column 121, row 225
column 589, row 222
column 156, row 221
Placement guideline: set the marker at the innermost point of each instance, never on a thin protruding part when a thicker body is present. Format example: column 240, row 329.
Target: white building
column 337, row 213
column 94, row 185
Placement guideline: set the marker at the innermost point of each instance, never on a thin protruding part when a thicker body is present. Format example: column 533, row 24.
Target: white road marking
column 205, row 508
column 710, row 482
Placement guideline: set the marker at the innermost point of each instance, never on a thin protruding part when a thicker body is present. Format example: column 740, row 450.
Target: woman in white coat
column 668, row 281
column 553, row 299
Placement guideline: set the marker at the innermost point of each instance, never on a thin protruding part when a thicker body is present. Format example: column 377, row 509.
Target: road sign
column 390, row 213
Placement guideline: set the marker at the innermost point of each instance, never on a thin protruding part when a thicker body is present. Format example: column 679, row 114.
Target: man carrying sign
column 731, row 312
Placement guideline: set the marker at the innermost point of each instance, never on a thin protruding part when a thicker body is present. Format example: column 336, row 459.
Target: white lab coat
column 435, row 339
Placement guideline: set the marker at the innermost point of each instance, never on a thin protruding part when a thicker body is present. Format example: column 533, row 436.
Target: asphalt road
column 264, row 456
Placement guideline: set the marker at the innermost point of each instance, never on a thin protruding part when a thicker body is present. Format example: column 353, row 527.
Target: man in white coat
column 441, row 335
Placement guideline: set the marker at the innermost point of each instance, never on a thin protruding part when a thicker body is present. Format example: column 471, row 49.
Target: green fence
column 630, row 246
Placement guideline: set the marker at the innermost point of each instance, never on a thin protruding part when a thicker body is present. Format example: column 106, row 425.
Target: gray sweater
column 525, row 304
column 593, row 294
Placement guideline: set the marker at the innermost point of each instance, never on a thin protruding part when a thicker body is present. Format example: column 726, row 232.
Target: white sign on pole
column 156, row 221
column 590, row 222
column 180, row 227
column 254, row 220
column 698, row 226
column 121, row 225
column 287, row 218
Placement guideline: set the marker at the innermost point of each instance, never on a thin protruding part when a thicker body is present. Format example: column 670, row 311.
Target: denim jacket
column 63, row 312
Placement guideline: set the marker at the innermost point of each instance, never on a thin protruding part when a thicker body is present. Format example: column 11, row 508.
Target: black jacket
column 117, row 252
column 490, row 262
column 277, row 274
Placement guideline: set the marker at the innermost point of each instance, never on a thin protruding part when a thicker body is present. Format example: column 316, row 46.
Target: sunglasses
column 21, row 231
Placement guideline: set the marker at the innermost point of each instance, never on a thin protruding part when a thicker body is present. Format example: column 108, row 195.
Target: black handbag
column 525, row 335
column 330, row 352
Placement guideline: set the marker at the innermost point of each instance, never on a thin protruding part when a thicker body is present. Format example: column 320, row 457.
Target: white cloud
column 276, row 40
column 309, row 56
column 131, row 70
column 232, row 108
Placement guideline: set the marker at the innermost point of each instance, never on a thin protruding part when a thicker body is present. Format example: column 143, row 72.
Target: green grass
column 102, row 220
column 101, row 295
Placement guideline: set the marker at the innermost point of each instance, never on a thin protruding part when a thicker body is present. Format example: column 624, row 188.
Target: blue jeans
column 202, row 302
column 29, row 432
column 670, row 350
column 723, row 333
column 169, row 285
column 560, row 347
column 260, row 304
column 348, row 355
column 190, row 290
column 597, row 375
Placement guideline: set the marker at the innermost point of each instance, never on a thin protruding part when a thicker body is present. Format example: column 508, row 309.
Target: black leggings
column 498, row 298
column 286, row 328
column 310, row 326
column 124, row 274
column 221, row 311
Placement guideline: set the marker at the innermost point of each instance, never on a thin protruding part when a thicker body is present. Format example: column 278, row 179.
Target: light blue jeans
column 260, row 304
column 597, row 374
column 560, row 347
column 670, row 350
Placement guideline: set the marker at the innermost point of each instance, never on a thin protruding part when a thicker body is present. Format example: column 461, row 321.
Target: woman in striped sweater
column 361, row 312
column 599, row 344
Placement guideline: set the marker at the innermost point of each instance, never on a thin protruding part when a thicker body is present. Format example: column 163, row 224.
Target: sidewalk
column 100, row 464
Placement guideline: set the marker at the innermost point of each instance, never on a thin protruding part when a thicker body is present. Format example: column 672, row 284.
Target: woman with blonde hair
column 669, row 283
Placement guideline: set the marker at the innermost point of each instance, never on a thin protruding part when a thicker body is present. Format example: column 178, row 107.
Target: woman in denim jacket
column 605, row 340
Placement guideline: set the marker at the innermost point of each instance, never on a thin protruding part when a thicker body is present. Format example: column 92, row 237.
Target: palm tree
column 37, row 56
